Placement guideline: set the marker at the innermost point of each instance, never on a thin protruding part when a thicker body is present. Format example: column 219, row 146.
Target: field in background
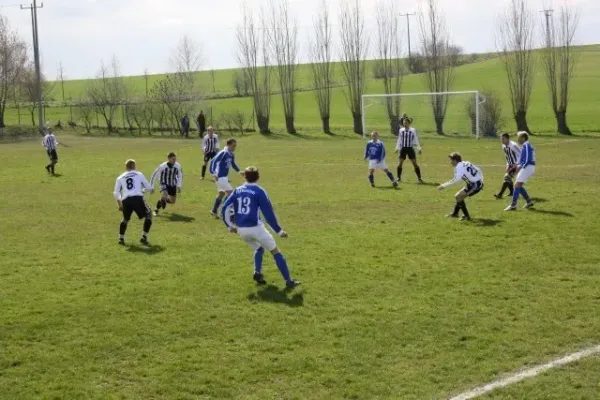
column 397, row 301
column 583, row 114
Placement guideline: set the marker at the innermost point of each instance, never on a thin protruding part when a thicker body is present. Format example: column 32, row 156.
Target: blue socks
column 525, row 195
column 389, row 175
column 216, row 206
column 258, row 260
column 372, row 179
column 283, row 267
column 516, row 194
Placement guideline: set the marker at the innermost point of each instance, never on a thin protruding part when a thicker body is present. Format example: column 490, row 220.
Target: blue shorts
column 473, row 188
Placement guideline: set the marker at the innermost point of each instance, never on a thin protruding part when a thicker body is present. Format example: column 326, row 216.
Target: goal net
column 451, row 113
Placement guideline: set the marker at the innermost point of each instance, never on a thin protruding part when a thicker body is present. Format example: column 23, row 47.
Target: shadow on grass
column 428, row 184
column 386, row 188
column 486, row 222
column 145, row 249
column 539, row 200
column 552, row 212
column 56, row 175
column 181, row 218
column 272, row 294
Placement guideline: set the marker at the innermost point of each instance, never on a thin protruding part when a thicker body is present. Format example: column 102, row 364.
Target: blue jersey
column 527, row 155
column 248, row 201
column 375, row 151
column 220, row 165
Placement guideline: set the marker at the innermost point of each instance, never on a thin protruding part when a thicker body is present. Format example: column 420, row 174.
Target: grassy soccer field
column 396, row 301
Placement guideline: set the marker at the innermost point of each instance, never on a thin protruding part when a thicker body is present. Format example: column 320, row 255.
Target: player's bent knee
column 275, row 251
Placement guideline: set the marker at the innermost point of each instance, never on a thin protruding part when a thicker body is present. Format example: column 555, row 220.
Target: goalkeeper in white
column 473, row 177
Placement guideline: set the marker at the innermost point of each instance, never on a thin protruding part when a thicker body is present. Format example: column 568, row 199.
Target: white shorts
column 223, row 185
column 373, row 164
column 257, row 237
column 526, row 173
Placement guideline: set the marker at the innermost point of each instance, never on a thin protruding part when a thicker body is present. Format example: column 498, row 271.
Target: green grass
column 489, row 74
column 396, row 302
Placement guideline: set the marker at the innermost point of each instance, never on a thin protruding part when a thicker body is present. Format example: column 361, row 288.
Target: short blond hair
column 523, row 134
column 130, row 164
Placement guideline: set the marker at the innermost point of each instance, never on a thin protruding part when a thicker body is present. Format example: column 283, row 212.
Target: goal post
column 463, row 112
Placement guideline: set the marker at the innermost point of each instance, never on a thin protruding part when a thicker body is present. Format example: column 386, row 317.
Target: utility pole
column 408, row 15
column 548, row 14
column 36, row 55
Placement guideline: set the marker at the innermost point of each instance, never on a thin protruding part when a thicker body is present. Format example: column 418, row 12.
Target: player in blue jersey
column 219, row 167
column 375, row 153
column 525, row 170
column 246, row 202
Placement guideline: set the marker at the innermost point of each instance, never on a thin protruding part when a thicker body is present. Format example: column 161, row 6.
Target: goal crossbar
column 479, row 99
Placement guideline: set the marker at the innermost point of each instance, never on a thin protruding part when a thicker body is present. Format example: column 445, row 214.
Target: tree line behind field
column 268, row 53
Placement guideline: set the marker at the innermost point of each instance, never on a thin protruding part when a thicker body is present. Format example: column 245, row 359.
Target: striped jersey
column 407, row 138
column 210, row 144
column 168, row 174
column 527, row 155
column 513, row 153
column 49, row 142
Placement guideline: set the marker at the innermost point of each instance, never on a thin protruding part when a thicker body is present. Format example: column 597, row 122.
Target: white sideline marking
column 527, row 373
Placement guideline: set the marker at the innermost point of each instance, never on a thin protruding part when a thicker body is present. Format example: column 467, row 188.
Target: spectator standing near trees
column 201, row 123
column 185, row 126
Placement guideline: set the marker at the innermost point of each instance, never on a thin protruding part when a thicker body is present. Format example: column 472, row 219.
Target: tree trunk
column 2, row 124
column 33, row 117
column 326, row 127
column 263, row 124
column 561, row 121
column 357, row 119
column 521, row 120
column 109, row 126
column 289, row 125
column 395, row 125
column 439, row 125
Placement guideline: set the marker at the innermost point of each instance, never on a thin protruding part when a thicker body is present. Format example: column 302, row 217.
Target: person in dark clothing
column 185, row 126
column 201, row 123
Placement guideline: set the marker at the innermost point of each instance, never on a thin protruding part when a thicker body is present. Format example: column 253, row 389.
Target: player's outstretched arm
column 457, row 178
column 154, row 175
column 267, row 210
column 226, row 215
column 417, row 143
column 117, row 194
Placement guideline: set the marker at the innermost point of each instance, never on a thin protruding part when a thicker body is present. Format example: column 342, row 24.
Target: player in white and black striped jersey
column 210, row 147
column 49, row 142
column 512, row 151
column 408, row 139
column 170, row 176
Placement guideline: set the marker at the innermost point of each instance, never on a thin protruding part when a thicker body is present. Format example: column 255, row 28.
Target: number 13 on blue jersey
column 243, row 205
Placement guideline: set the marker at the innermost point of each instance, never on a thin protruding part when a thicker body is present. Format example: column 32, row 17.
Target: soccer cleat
column 214, row 215
column 465, row 218
column 511, row 208
column 498, row 196
column 452, row 216
column 201, row 178
column 372, row 185
column 292, row 284
column 395, row 184
column 421, row 181
column 155, row 213
column 122, row 242
column 48, row 169
column 259, row 279
column 529, row 204
column 144, row 241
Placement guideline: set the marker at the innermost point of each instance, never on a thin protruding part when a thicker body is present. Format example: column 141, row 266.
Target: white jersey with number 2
column 467, row 172
column 130, row 184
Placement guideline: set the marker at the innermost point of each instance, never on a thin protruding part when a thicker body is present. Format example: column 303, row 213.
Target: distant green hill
column 583, row 114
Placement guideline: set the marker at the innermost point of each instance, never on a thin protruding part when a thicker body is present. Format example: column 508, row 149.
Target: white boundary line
column 527, row 373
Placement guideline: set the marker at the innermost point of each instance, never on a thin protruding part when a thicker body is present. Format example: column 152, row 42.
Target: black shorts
column 53, row 155
column 473, row 188
column 171, row 190
column 209, row 156
column 408, row 152
column 135, row 204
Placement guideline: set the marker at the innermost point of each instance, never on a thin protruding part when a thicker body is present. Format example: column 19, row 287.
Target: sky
column 142, row 34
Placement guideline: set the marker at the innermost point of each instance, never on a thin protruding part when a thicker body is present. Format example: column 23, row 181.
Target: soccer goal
column 462, row 112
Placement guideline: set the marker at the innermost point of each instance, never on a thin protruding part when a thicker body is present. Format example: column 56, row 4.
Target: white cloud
column 141, row 33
